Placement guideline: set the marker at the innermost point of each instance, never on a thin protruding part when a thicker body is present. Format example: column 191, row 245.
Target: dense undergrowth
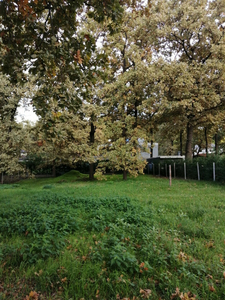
column 59, row 245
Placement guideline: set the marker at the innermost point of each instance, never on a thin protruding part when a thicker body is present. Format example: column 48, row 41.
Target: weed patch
column 9, row 186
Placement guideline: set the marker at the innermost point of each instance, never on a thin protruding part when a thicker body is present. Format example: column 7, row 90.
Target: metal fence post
column 198, row 171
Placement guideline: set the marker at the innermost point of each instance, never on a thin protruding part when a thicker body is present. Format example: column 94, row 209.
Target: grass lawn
column 68, row 238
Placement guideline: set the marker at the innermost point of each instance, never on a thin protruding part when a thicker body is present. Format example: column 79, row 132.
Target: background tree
column 190, row 37
column 129, row 53
column 11, row 137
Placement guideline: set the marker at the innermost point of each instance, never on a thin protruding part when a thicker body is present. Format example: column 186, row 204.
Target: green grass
column 68, row 238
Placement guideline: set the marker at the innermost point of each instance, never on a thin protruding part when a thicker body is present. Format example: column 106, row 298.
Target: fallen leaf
column 210, row 244
column 177, row 293
column 33, row 295
column 182, row 256
column 176, row 240
column 211, row 288
column 146, row 293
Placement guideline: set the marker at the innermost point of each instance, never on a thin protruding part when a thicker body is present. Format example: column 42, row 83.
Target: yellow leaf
column 33, row 295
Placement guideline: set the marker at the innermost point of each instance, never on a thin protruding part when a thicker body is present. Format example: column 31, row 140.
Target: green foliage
column 115, row 254
column 42, row 228
column 48, row 186
column 9, row 186
column 48, row 218
column 33, row 161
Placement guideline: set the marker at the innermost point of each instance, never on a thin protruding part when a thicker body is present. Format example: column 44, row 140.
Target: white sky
column 26, row 114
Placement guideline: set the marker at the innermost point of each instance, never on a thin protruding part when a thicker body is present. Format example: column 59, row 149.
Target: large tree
column 44, row 38
column 190, row 84
column 129, row 54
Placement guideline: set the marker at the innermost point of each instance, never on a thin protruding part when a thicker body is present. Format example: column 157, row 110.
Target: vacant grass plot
column 67, row 238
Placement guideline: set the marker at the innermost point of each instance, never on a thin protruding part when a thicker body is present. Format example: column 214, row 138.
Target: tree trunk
column 151, row 149
column 216, row 144
column 91, row 171
column 188, row 152
column 171, row 149
column 92, row 139
column 136, row 114
column 53, row 169
column 124, row 175
column 181, row 142
column 206, row 142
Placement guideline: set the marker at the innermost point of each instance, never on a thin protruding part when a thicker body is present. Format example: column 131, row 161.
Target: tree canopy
column 108, row 76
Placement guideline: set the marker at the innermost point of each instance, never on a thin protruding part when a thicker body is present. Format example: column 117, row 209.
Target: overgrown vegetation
column 139, row 239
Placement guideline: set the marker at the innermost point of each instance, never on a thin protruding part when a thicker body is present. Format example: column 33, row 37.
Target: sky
column 26, row 114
